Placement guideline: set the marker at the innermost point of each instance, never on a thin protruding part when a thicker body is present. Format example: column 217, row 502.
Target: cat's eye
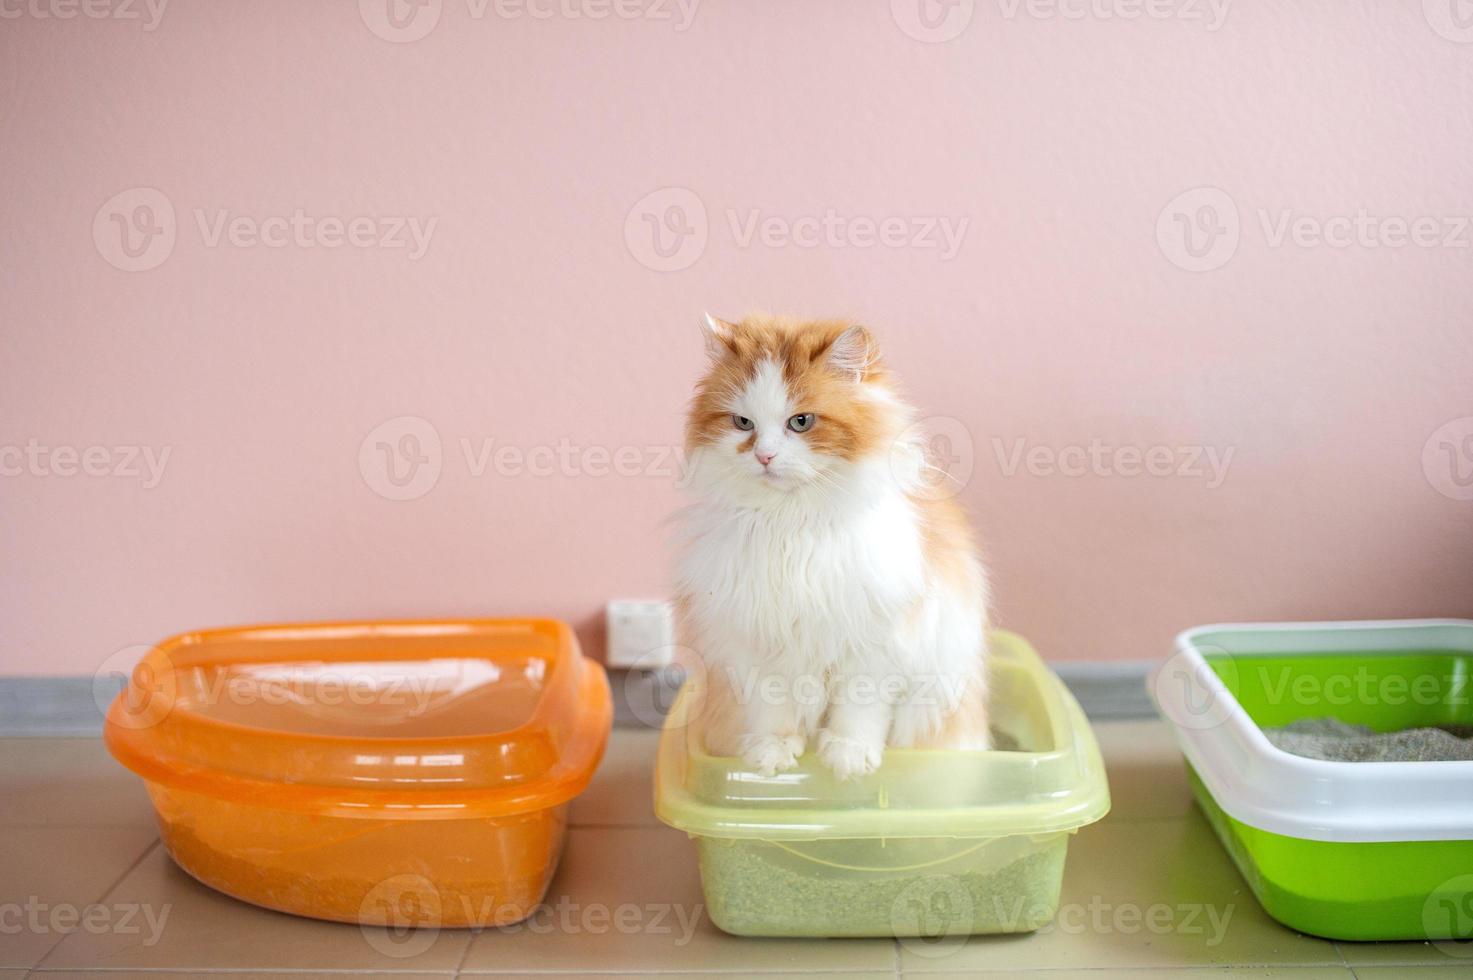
column 802, row 422
column 742, row 422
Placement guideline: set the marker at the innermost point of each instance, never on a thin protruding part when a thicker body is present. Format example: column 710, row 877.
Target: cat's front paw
column 769, row 754
column 849, row 758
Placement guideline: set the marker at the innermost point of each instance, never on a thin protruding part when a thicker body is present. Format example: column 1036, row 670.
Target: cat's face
column 786, row 404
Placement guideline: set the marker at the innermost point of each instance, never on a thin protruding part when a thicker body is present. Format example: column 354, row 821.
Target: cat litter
column 935, row 843
column 1333, row 740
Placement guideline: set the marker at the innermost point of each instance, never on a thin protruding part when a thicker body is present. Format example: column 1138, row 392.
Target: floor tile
column 1140, row 894
column 1145, row 768
column 629, row 899
column 205, row 930
column 232, row 975
column 68, row 782
column 50, row 877
column 621, row 794
column 1201, row 973
column 1404, row 954
column 723, row 974
column 1415, row 972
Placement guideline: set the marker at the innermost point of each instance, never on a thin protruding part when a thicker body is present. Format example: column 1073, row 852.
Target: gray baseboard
column 68, row 707
column 1109, row 691
column 52, row 706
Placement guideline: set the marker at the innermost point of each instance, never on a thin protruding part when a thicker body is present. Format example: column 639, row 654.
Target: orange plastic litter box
column 348, row 770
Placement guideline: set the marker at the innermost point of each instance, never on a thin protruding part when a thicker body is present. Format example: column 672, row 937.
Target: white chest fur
column 819, row 586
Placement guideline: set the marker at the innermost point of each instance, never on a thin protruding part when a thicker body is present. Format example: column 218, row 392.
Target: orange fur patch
column 848, row 426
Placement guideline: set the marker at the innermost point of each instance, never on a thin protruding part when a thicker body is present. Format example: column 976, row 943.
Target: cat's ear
column 852, row 352
column 717, row 334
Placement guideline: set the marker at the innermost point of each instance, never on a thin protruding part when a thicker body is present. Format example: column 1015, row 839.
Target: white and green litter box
column 1345, row 850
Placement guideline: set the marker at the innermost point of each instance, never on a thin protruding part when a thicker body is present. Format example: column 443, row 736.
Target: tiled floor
column 85, row 887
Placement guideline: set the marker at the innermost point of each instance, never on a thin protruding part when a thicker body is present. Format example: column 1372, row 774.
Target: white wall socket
column 641, row 633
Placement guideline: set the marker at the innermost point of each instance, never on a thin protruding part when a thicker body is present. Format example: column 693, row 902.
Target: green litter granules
column 1333, row 740
column 772, row 889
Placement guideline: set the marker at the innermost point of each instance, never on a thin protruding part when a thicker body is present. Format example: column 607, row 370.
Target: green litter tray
column 934, row 844
column 1344, row 850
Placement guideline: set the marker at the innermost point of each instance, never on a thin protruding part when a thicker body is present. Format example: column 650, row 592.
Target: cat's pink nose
column 765, row 458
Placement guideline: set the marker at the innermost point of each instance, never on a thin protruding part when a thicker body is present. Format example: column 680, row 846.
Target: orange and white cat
column 834, row 598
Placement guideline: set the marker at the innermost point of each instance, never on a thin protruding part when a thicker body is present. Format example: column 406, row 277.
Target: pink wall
column 1069, row 314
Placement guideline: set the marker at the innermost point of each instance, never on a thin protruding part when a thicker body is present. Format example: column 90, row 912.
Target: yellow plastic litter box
column 935, row 843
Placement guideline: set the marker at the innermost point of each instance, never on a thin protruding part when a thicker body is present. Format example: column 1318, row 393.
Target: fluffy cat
column 833, row 597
